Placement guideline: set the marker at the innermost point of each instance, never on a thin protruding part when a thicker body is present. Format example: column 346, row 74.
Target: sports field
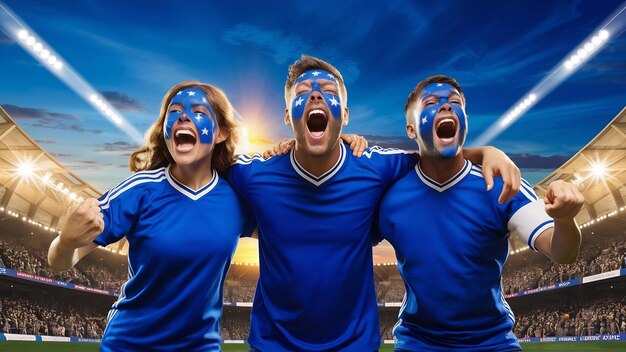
column 27, row 346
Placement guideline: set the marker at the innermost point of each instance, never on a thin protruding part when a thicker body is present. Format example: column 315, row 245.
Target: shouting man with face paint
column 451, row 259
column 315, row 208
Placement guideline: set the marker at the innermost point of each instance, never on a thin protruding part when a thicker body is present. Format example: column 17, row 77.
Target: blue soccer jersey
column 181, row 242
column 316, row 285
column 451, row 241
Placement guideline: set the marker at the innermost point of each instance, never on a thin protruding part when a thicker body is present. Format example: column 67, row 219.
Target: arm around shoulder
column 495, row 163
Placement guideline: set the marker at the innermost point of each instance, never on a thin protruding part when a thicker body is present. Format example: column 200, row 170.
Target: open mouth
column 446, row 130
column 317, row 123
column 184, row 140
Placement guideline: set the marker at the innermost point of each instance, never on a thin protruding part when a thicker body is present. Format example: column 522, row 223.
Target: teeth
column 445, row 120
column 187, row 132
column 317, row 111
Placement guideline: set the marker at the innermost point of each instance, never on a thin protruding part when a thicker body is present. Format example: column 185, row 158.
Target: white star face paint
column 316, row 111
column 441, row 121
column 316, row 77
column 187, row 102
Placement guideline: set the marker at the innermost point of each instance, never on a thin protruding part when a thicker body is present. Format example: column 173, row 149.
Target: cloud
column 119, row 148
column 123, row 102
column 532, row 161
column 23, row 113
column 149, row 66
column 286, row 48
column 88, row 165
column 401, row 142
column 611, row 69
column 281, row 47
column 45, row 141
column 483, row 65
column 47, row 119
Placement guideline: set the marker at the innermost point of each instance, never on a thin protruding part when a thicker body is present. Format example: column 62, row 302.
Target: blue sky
column 134, row 51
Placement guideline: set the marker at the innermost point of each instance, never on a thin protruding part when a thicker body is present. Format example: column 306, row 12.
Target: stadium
column 120, row 65
column 581, row 306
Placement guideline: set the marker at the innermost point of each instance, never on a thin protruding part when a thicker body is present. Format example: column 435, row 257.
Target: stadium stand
column 588, row 310
column 538, row 271
column 25, row 250
column 35, row 310
column 235, row 323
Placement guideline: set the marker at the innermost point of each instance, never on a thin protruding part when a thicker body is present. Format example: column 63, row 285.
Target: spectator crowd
column 41, row 316
column 91, row 272
column 597, row 317
column 37, row 314
column 593, row 259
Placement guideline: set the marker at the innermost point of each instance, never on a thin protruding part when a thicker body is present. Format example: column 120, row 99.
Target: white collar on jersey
column 327, row 175
column 440, row 187
column 193, row 194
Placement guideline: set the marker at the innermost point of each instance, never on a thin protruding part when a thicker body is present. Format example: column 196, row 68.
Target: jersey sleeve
column 391, row 163
column 239, row 172
column 526, row 215
column 120, row 207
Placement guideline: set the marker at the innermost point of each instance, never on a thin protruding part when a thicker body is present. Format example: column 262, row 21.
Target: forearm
column 475, row 155
column 61, row 257
column 565, row 242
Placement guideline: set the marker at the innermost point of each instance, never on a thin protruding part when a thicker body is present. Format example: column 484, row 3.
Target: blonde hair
column 307, row 63
column 154, row 153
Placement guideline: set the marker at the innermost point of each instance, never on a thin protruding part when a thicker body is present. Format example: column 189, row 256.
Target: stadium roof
column 599, row 169
column 33, row 184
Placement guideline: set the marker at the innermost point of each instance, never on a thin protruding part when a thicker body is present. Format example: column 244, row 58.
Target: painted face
column 320, row 81
column 192, row 102
column 440, row 120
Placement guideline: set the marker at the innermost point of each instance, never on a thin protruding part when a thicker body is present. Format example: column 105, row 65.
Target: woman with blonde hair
column 182, row 222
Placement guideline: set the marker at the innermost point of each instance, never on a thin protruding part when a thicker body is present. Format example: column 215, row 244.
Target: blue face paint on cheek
column 189, row 99
column 298, row 104
column 441, row 92
column 426, row 120
column 332, row 101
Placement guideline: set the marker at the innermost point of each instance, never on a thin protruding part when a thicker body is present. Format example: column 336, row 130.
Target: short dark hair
column 414, row 96
column 306, row 63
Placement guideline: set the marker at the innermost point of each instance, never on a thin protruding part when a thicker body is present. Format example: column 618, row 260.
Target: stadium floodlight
column 46, row 177
column 26, row 169
column 598, row 169
column 612, row 27
column 17, row 29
